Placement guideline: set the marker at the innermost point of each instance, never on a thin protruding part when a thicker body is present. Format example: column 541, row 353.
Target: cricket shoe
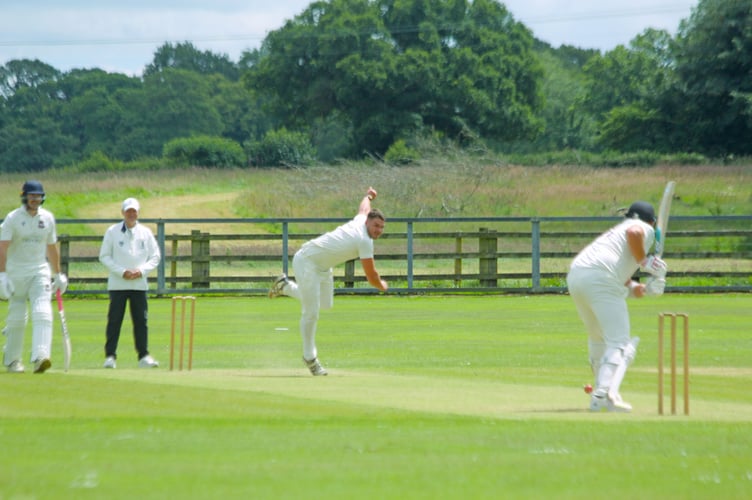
column 109, row 362
column 148, row 362
column 277, row 289
column 16, row 367
column 41, row 365
column 616, row 404
column 600, row 401
column 315, row 367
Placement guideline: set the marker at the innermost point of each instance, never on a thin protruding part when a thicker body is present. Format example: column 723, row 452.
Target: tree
column 172, row 103
column 385, row 69
column 567, row 122
column 713, row 67
column 625, row 91
column 93, row 113
column 239, row 109
column 24, row 73
column 31, row 138
column 38, row 146
column 187, row 57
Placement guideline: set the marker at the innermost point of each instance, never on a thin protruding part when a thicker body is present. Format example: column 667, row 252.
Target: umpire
column 129, row 251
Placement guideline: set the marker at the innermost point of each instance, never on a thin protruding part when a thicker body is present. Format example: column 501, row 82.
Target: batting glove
column 654, row 265
column 6, row 286
column 655, row 286
column 59, row 282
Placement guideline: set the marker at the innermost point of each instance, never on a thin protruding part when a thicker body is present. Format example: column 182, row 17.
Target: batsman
column 29, row 273
column 599, row 282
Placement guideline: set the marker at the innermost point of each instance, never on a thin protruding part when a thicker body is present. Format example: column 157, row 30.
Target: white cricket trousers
column 602, row 305
column 35, row 288
column 314, row 289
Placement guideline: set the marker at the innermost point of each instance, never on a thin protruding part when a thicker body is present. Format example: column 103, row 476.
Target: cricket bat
column 663, row 213
column 66, row 335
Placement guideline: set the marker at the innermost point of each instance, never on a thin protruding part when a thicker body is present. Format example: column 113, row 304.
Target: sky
column 122, row 36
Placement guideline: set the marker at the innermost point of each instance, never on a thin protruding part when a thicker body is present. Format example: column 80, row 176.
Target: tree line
column 354, row 78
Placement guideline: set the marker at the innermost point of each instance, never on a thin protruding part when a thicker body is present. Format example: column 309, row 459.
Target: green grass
column 427, row 397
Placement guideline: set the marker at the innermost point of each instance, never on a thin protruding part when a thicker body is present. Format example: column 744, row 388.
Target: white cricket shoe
column 109, row 362
column 148, row 362
column 616, row 404
column 16, row 367
column 599, row 401
column 277, row 289
column 315, row 367
column 41, row 365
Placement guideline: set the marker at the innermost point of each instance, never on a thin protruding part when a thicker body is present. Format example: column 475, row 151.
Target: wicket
column 183, row 300
column 661, row 327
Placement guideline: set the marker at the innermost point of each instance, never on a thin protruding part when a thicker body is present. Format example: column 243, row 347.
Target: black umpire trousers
column 139, row 316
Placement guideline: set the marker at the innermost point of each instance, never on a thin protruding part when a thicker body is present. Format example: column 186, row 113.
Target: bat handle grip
column 59, row 298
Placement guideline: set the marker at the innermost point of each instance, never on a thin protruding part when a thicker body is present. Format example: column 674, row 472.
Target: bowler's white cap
column 131, row 203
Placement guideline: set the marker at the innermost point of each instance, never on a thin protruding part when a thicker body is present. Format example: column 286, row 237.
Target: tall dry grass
column 441, row 187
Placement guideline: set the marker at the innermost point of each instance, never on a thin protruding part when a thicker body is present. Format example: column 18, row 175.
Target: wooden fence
column 415, row 255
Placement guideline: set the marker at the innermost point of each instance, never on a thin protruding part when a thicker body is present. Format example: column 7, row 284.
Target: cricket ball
column 587, row 388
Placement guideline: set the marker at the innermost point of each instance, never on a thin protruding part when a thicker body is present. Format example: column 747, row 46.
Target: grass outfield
column 427, row 397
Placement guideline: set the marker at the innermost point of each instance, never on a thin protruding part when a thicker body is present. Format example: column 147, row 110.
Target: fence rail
column 416, row 255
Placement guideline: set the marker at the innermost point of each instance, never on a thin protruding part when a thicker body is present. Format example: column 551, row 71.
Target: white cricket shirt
column 29, row 237
column 349, row 241
column 124, row 248
column 610, row 251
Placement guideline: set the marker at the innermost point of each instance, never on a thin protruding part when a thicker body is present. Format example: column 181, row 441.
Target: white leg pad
column 627, row 355
column 14, row 331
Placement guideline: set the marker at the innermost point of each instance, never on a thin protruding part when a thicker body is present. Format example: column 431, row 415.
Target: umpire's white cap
column 131, row 203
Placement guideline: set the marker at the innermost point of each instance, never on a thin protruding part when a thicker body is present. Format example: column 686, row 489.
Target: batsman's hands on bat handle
column 654, row 266
column 636, row 290
column 6, row 286
column 59, row 282
column 655, row 286
column 371, row 194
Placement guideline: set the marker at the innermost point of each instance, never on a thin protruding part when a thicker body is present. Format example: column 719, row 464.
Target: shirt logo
column 41, row 224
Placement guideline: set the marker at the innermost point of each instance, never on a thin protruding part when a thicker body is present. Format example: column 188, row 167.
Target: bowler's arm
column 365, row 204
column 369, row 267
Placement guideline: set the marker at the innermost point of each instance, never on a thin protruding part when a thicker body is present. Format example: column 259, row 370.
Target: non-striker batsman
column 28, row 249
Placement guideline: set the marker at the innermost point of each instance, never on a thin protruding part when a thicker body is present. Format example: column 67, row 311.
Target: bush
column 400, row 154
column 629, row 159
column 685, row 159
column 204, row 151
column 98, row 162
column 280, row 148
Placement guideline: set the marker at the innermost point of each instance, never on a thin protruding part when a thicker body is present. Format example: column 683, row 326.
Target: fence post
column 174, row 262
column 410, row 255
column 285, row 247
column 536, row 254
column 350, row 274
column 64, row 253
column 458, row 262
column 487, row 248
column 162, row 258
column 200, row 259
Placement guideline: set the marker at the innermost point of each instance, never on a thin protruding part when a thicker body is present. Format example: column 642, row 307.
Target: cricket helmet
column 641, row 210
column 32, row 187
